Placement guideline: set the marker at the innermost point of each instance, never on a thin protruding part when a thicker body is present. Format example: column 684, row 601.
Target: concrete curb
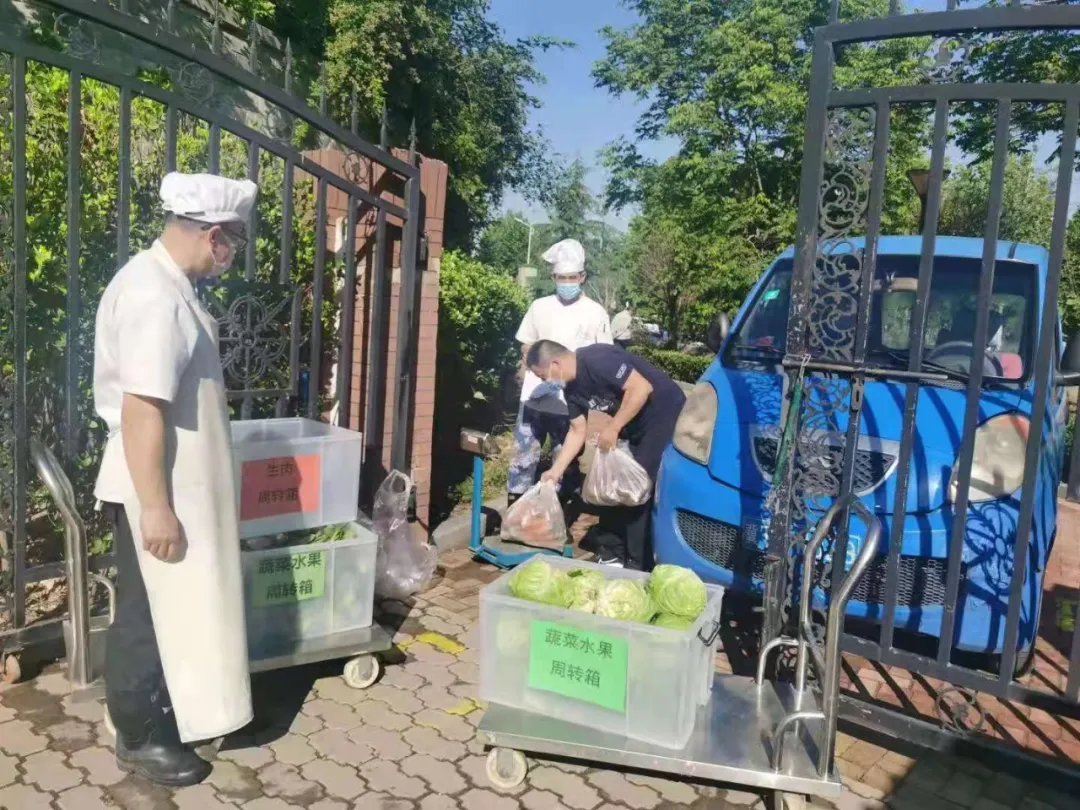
column 453, row 533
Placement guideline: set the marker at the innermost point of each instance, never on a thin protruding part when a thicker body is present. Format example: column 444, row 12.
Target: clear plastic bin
column 294, row 474
column 668, row 673
column 305, row 592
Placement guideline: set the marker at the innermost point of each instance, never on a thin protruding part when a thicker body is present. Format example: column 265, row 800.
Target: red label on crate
column 279, row 486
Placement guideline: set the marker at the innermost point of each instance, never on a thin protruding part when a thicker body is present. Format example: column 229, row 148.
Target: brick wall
column 433, row 176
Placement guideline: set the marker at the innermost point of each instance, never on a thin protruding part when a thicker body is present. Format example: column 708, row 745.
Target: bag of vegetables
column 616, row 479
column 536, row 519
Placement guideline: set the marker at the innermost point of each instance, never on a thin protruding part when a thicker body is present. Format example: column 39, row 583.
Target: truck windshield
column 950, row 321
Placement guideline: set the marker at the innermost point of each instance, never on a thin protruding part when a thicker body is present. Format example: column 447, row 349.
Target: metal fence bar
column 1044, row 367
column 74, row 215
column 924, row 93
column 405, row 373
column 48, row 57
column 911, row 391
column 315, row 347
column 19, row 271
column 215, row 148
column 247, row 404
column 377, row 363
column 170, row 138
column 875, row 204
column 945, row 23
column 285, row 262
column 348, row 320
column 123, row 201
column 975, row 380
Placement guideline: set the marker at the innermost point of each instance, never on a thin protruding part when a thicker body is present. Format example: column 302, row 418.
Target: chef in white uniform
column 176, row 668
column 569, row 318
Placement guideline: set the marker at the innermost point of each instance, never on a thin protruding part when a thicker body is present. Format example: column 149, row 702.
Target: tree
column 1027, row 202
column 504, row 244
column 729, row 80
column 444, row 65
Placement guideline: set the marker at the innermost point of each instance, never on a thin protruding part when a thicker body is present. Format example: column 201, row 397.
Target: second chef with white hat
column 176, row 654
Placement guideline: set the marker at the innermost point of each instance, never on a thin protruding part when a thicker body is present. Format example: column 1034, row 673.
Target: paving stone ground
column 408, row 743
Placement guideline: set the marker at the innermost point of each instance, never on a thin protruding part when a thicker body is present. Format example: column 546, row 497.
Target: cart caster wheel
column 11, row 671
column 109, row 727
column 362, row 672
column 506, row 768
column 788, row 801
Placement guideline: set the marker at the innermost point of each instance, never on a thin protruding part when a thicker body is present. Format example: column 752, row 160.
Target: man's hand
column 551, row 477
column 608, row 438
column 161, row 533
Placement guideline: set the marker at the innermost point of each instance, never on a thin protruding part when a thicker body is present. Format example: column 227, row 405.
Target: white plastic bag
column 616, row 479
column 405, row 563
column 536, row 519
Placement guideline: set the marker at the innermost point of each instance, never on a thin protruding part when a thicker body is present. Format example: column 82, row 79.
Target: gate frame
column 810, row 246
column 16, row 52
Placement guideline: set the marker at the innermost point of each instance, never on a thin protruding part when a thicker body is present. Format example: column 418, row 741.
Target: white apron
column 198, row 603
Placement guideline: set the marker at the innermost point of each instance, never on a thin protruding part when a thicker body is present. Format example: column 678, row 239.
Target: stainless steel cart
column 84, row 636
column 753, row 731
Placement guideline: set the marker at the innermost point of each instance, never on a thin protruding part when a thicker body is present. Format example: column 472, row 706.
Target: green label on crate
column 280, row 580
column 578, row 664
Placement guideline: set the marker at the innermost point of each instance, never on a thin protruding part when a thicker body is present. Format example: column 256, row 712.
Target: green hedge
column 682, row 367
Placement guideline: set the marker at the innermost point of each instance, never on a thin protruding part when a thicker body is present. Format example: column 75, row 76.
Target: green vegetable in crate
column 512, row 636
column 585, row 588
column 625, row 599
column 677, row 590
column 539, row 582
column 672, row 622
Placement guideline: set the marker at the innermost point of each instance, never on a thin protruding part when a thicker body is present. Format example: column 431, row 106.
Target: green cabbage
column 672, row 622
column 537, row 581
column 677, row 590
column 625, row 599
column 585, row 588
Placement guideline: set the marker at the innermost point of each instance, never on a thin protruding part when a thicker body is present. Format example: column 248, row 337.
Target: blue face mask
column 568, row 291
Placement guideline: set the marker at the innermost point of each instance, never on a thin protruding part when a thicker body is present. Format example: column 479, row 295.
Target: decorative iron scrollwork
column 945, row 60
column 79, row 38
column 254, row 321
column 194, row 82
column 960, row 711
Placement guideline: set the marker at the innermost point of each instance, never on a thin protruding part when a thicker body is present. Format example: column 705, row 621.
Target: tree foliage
column 728, row 79
column 444, row 65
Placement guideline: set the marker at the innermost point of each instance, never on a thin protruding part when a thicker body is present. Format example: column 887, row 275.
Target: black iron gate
column 830, row 444
column 96, row 104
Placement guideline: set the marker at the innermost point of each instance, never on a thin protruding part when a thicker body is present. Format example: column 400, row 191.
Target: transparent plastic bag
column 616, row 479
column 405, row 563
column 536, row 519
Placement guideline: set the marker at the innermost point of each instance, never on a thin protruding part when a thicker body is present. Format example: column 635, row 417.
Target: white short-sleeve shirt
column 581, row 323
column 144, row 338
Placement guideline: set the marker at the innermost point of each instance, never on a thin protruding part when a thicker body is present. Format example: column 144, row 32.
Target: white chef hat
column 207, row 197
column 566, row 257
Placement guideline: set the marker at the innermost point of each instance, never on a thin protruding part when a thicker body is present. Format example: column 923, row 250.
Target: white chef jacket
column 581, row 323
column 145, row 337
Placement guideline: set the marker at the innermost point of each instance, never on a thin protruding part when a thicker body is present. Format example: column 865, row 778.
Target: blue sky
column 577, row 117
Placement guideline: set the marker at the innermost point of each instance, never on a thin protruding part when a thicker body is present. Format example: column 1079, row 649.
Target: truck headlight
column 997, row 466
column 694, row 429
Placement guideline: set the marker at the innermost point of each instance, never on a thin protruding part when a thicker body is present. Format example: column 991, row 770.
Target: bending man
column 644, row 404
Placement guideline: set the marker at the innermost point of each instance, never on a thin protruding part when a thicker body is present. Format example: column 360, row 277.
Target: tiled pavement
column 408, row 743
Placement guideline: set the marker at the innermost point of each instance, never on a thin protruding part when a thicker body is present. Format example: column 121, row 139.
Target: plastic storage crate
column 294, row 474
column 569, row 665
column 306, row 592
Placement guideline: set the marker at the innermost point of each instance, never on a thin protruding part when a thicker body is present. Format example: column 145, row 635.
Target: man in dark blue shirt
column 644, row 404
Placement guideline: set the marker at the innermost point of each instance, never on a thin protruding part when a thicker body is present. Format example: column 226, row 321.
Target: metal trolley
column 84, row 636
column 753, row 731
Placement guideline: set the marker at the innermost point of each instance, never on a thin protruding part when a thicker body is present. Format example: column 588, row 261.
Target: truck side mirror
column 1069, row 374
column 718, row 332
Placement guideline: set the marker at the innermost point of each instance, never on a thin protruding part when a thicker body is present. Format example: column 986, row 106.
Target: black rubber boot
column 148, row 743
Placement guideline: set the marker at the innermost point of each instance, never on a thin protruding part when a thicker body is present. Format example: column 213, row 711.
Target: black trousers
column 626, row 531
column 135, row 690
